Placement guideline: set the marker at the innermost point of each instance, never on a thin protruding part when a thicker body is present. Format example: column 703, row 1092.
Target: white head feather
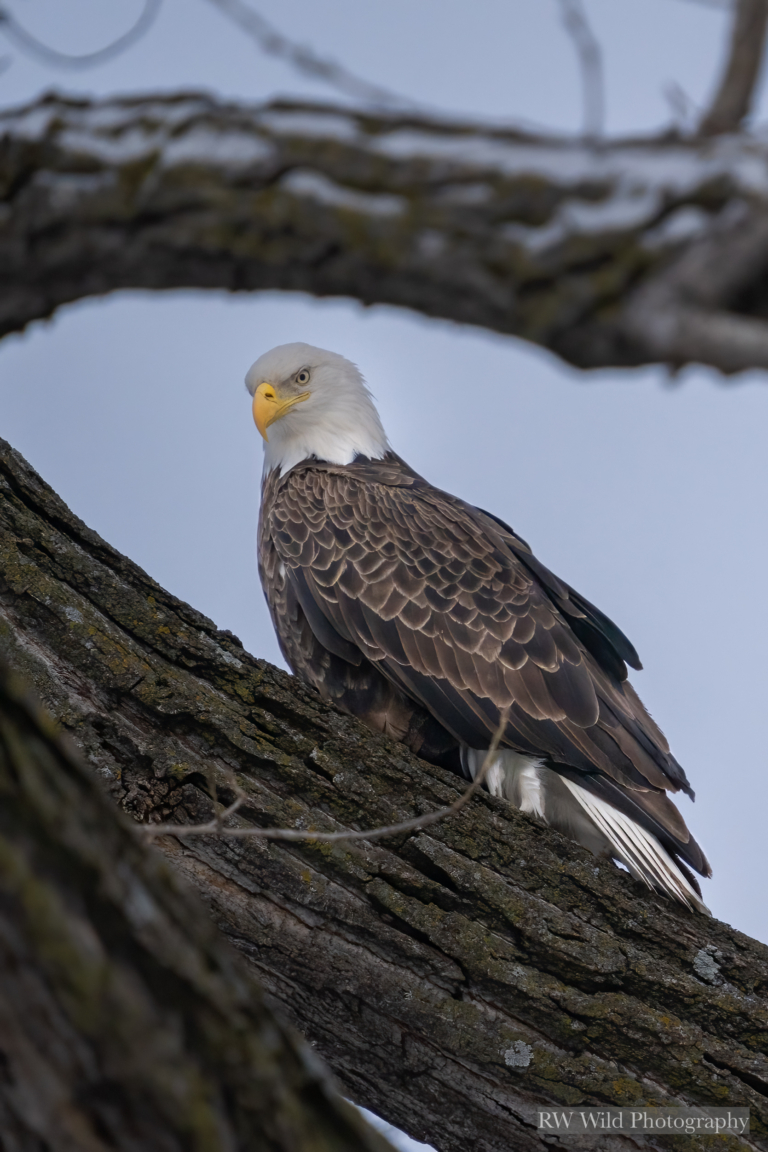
column 336, row 423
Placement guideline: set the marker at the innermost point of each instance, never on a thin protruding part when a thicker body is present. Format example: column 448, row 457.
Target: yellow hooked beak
column 268, row 407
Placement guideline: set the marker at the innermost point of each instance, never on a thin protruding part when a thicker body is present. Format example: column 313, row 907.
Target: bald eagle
column 429, row 618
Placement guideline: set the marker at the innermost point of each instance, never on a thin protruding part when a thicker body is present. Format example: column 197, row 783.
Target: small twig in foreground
column 215, row 827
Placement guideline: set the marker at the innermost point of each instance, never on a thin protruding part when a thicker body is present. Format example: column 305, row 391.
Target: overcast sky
column 648, row 496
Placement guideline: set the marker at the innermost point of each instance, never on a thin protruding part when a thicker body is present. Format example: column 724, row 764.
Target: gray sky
column 648, row 496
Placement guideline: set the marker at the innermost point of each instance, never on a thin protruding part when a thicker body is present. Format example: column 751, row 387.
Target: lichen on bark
column 125, row 1020
column 421, row 967
column 622, row 253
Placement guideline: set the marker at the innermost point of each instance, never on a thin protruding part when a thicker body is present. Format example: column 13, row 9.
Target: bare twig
column 683, row 108
column 714, row 3
column 30, row 44
column 216, row 827
column 590, row 57
column 733, row 99
column 274, row 43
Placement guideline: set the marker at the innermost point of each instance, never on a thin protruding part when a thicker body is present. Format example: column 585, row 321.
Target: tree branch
column 217, row 826
column 125, row 1020
column 303, row 59
column 679, row 311
column 733, row 99
column 455, row 979
column 541, row 238
column 23, row 39
column 590, row 58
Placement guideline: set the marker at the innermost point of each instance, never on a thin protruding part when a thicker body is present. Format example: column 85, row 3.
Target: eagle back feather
column 428, row 618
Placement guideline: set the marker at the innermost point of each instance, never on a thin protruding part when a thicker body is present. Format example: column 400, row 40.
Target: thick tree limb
column 125, row 1021
column 679, row 313
column 585, row 250
column 455, row 979
column 733, row 99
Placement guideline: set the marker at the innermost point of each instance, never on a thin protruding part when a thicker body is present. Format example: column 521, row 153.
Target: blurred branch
column 590, row 57
column 274, row 43
column 30, row 44
column 534, row 236
column 721, row 4
column 733, row 99
column 683, row 108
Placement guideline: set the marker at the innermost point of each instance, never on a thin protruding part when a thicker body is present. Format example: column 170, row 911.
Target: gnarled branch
column 455, row 979
column 553, row 240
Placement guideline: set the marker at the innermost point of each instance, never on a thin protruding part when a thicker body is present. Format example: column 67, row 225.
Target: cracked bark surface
column 455, row 979
column 125, row 1020
column 619, row 253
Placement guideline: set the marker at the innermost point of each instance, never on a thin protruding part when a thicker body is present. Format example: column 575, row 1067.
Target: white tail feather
column 642, row 853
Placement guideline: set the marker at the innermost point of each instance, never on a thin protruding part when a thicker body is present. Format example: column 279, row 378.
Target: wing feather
column 453, row 609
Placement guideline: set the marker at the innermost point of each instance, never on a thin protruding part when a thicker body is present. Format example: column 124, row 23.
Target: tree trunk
column 455, row 979
column 619, row 253
column 126, row 1022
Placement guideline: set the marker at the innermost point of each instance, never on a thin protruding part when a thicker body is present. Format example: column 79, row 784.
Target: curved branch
column 456, row 979
column 733, row 100
column 30, row 44
column 221, row 825
column 543, row 238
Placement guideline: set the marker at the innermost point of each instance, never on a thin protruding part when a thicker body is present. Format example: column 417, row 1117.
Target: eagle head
column 308, row 402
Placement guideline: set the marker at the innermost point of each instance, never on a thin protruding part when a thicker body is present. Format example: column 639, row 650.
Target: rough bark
column 455, row 979
column 126, row 1021
column 620, row 253
column 733, row 99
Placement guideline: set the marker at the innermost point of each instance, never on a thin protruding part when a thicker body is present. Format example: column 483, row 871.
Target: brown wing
column 335, row 666
column 445, row 603
column 600, row 636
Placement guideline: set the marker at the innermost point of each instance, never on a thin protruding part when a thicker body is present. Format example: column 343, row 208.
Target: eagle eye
column 303, row 376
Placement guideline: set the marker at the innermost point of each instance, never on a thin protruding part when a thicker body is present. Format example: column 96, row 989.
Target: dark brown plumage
column 403, row 604
column 431, row 619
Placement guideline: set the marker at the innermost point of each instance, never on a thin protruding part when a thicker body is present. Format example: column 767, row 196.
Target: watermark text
column 577, row 1121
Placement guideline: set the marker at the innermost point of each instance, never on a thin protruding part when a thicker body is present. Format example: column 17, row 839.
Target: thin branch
column 721, row 4
column 216, row 827
column 684, row 110
column 304, row 59
column 733, row 99
column 590, row 56
column 30, row 44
